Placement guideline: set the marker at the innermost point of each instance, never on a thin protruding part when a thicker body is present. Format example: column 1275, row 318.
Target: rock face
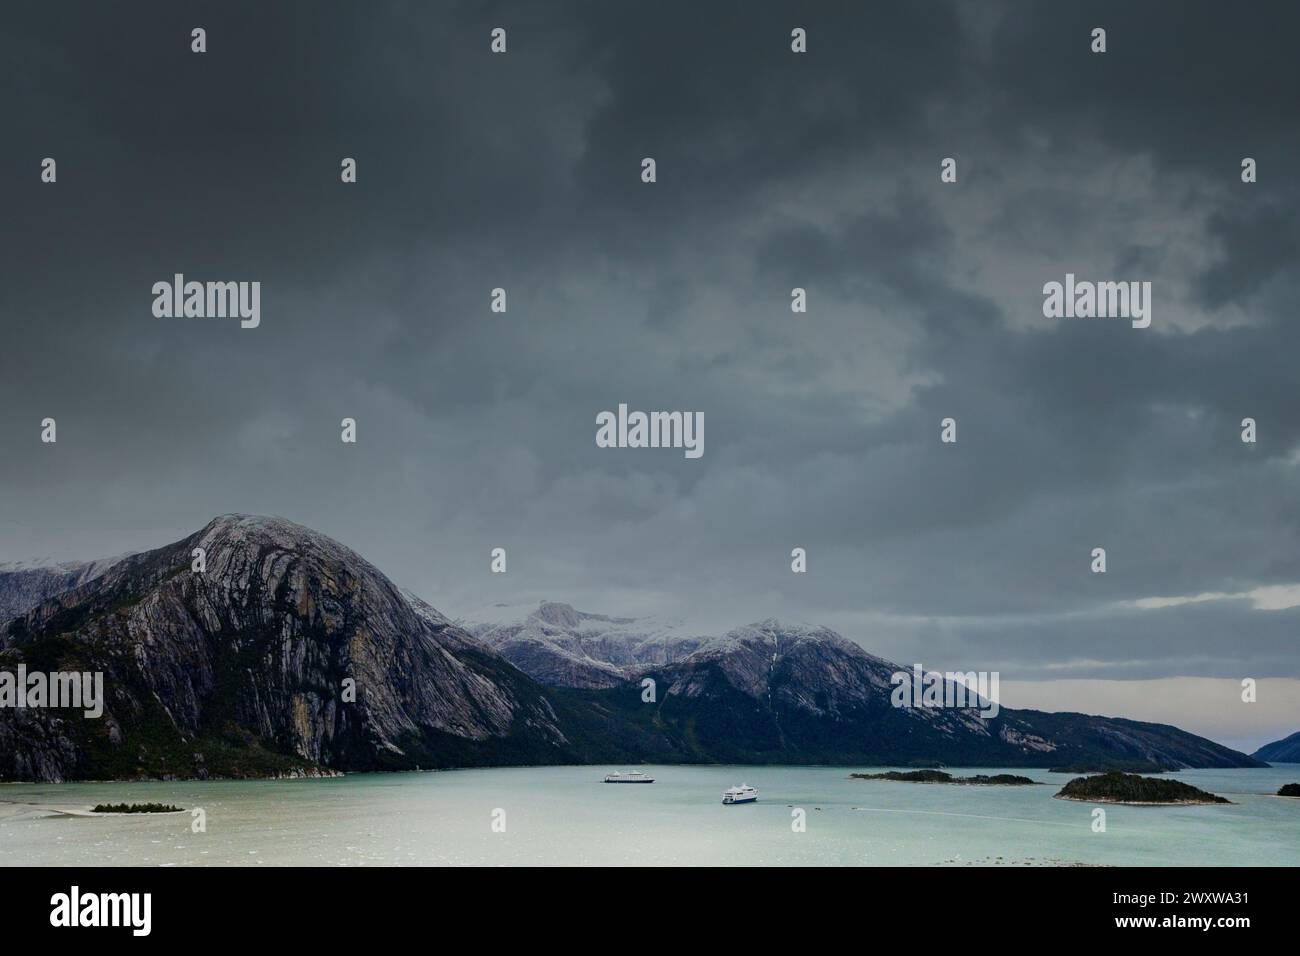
column 1286, row 750
column 562, row 647
column 241, row 669
column 248, row 668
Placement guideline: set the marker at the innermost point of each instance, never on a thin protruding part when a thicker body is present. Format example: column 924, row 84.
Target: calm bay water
column 566, row 816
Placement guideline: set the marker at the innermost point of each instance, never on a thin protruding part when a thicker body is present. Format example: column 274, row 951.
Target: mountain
column 562, row 647
column 25, row 585
column 1286, row 750
column 771, row 693
column 240, row 670
column 247, row 668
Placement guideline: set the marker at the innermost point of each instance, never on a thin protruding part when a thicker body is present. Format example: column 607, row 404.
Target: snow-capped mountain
column 564, row 647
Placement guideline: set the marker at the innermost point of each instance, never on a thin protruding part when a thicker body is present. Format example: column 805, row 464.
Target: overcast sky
column 477, row 430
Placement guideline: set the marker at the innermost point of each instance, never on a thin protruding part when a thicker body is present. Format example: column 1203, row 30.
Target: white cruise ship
column 742, row 794
column 628, row 776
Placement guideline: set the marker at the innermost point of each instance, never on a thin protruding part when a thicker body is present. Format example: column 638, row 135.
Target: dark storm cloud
column 775, row 170
column 1186, row 81
column 709, row 91
column 1183, row 82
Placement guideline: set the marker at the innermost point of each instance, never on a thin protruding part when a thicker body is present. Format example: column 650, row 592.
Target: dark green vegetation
column 719, row 723
column 135, row 808
column 1123, row 766
column 1289, row 790
column 938, row 776
column 908, row 776
column 1131, row 788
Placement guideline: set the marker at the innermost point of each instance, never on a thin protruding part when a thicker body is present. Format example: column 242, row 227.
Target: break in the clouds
column 774, row 170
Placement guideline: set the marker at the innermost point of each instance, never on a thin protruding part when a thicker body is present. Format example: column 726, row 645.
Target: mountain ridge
column 562, row 646
column 1286, row 750
column 241, row 670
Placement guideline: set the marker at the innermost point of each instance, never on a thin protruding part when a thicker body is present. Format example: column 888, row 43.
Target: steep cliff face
column 245, row 668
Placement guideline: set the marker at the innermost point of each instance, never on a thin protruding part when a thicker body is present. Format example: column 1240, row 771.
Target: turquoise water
column 566, row 816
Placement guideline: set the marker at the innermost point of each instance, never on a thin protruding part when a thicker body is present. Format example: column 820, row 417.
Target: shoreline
column 326, row 774
column 1147, row 803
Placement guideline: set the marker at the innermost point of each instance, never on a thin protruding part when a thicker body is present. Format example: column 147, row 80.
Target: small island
column 938, row 776
column 1289, row 790
column 1131, row 766
column 135, row 808
column 1131, row 789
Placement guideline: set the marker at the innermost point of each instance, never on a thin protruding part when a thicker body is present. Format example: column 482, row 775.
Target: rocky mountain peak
column 285, row 634
column 562, row 646
column 558, row 614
